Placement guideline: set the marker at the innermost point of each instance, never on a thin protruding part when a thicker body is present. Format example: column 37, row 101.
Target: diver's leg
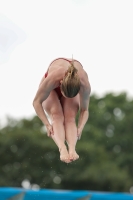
column 53, row 108
column 70, row 109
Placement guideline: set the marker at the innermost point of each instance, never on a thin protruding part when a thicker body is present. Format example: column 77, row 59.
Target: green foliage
column 105, row 151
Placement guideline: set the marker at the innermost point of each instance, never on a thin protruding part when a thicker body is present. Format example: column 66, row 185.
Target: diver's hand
column 79, row 133
column 50, row 131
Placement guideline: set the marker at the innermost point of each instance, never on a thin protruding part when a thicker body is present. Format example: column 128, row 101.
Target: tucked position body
column 63, row 91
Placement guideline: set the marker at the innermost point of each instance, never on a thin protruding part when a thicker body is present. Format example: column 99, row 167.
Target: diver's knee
column 57, row 116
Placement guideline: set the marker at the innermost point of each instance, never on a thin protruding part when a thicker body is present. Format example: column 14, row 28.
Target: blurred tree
column 105, row 151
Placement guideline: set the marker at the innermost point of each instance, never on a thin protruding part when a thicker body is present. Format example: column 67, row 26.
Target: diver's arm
column 84, row 107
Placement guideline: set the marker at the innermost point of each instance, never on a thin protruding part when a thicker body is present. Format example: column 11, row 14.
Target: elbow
column 34, row 103
column 85, row 112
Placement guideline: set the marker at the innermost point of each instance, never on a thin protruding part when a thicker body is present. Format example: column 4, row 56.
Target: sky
column 98, row 33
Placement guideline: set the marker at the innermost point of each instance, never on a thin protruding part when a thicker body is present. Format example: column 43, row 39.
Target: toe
column 71, row 157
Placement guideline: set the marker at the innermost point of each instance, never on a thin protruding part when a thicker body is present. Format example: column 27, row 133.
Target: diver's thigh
column 52, row 103
column 70, row 106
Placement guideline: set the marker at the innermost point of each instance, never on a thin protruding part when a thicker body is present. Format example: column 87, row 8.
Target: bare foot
column 64, row 156
column 73, row 154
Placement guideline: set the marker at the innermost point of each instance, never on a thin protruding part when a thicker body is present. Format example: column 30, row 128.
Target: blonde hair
column 71, row 82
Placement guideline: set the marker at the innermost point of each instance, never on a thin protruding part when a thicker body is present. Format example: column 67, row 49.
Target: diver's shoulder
column 57, row 73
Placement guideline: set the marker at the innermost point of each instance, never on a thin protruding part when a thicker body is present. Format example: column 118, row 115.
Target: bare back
column 64, row 63
column 60, row 66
